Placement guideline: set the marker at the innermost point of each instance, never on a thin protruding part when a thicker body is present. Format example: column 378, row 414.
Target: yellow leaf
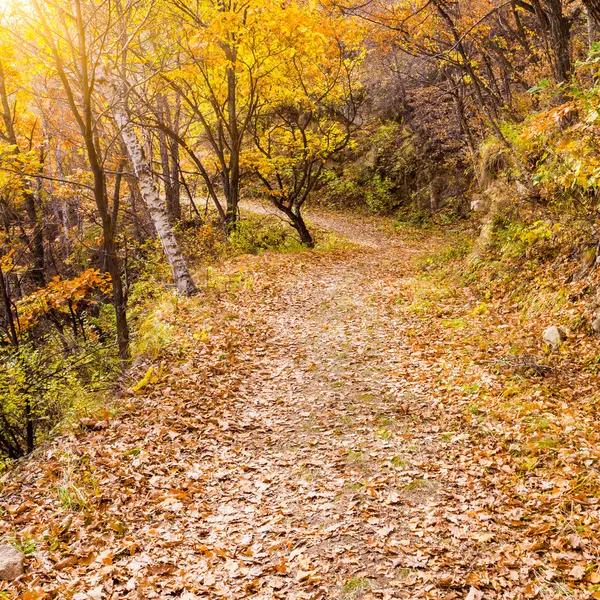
column 144, row 381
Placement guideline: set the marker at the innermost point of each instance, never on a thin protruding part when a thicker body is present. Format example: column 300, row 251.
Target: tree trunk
column 179, row 270
column 140, row 233
column 111, row 256
column 11, row 330
column 112, row 263
column 521, row 33
column 166, row 173
column 593, row 10
column 553, row 22
column 169, row 156
column 560, row 36
column 174, row 153
column 297, row 222
column 305, row 236
column 593, row 23
column 175, row 183
column 233, row 196
column 37, row 241
column 29, row 425
column 434, row 195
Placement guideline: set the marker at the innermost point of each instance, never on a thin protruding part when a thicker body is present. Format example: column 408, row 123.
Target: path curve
column 295, row 446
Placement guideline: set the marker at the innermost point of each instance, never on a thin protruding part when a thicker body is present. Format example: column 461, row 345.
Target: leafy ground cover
column 349, row 423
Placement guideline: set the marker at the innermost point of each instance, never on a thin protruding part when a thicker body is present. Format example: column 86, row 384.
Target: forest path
column 295, row 445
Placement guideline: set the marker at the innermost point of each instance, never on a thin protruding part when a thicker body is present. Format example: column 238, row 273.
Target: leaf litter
column 308, row 436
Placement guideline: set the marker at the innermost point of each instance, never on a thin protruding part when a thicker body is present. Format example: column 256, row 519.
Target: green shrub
column 517, row 240
column 47, row 382
column 378, row 174
column 379, row 196
column 413, row 217
column 344, row 190
column 255, row 234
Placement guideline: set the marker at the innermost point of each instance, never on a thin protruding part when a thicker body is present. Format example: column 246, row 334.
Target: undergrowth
column 490, row 316
column 80, row 383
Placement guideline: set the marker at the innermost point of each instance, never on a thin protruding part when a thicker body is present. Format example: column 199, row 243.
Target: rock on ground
column 11, row 562
column 554, row 336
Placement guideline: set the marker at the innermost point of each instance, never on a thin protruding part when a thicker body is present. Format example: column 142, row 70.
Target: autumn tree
column 310, row 110
column 224, row 70
column 114, row 81
column 22, row 154
column 73, row 40
column 482, row 56
column 555, row 27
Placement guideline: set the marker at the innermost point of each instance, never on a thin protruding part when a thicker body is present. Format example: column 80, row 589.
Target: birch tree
column 115, row 90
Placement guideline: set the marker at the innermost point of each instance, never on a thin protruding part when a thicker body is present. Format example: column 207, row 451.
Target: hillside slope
column 324, row 425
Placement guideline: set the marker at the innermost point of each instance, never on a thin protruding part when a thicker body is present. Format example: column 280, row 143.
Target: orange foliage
column 61, row 294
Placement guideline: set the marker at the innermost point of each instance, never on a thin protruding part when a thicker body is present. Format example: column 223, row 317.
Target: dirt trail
column 366, row 231
column 296, row 446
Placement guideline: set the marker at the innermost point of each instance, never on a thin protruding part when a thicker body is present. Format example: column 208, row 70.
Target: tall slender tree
column 75, row 42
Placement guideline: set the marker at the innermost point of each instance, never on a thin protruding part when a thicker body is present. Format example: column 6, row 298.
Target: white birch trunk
column 156, row 207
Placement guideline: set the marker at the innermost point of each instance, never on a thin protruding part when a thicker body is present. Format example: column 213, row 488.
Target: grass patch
column 25, row 544
column 71, row 497
column 455, row 323
column 405, row 572
column 539, row 424
column 385, row 434
column 527, row 464
column 546, row 442
column 418, row 484
column 355, row 586
column 472, row 388
column 133, row 452
column 356, row 456
column 421, row 307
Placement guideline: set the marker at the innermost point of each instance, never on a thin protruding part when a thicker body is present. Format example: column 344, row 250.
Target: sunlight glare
column 5, row 6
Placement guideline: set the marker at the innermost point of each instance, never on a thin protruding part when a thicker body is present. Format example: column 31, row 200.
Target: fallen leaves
column 326, row 438
column 474, row 594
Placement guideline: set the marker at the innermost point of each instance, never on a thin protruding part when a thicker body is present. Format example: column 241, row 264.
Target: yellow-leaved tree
column 311, row 108
column 242, row 69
